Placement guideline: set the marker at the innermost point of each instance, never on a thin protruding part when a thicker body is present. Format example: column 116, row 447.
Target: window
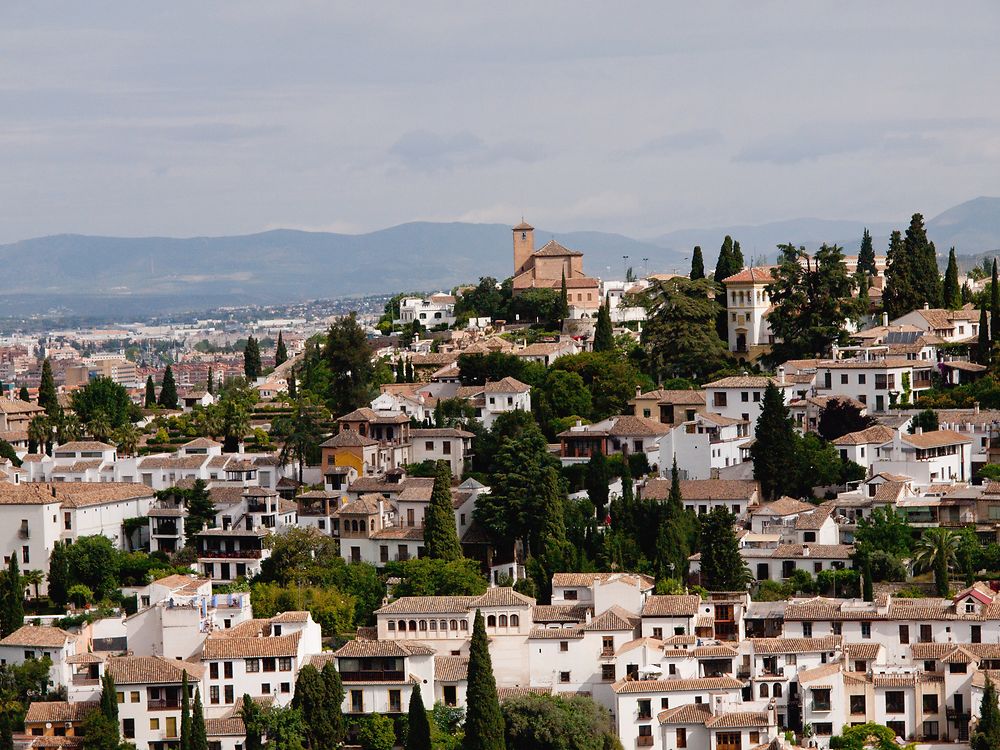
column 658, row 633
column 745, row 397
column 843, row 378
column 128, row 728
column 429, row 445
column 564, row 677
column 926, row 635
column 861, row 379
column 930, row 703
column 954, row 668
column 286, row 687
column 133, row 697
column 391, row 625
column 608, row 672
column 228, row 692
column 645, row 709
column 515, row 621
column 895, row 702
column 265, row 688
column 25, row 556
column 503, row 621
column 491, row 621
column 681, row 737
column 764, row 690
column 171, row 726
column 213, row 670
column 858, row 704
column 570, row 595
column 284, row 664
column 252, row 665
column 67, row 521
column 154, row 724
column 838, row 628
column 395, row 701
column 269, row 664
column 823, row 729
column 866, row 630
column 807, row 630
column 904, row 634
column 899, row 727
column 121, row 697
column 446, row 447
column 357, row 702
column 931, row 731
column 821, row 699
column 776, row 690
column 977, row 634
column 564, row 646
column 213, row 694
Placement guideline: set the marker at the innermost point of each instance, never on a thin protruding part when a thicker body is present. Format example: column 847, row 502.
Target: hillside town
column 754, row 507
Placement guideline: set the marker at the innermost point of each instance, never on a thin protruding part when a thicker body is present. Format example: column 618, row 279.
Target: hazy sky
column 184, row 118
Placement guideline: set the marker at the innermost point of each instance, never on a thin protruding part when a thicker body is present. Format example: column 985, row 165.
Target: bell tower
column 524, row 245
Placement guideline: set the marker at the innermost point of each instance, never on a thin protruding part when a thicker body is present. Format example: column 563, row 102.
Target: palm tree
column 68, row 427
column 40, row 432
column 937, row 550
column 33, row 578
column 100, row 426
column 127, row 438
column 302, row 431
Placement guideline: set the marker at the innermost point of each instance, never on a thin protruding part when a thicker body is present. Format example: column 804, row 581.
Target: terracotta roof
column 227, row 727
column 16, row 406
column 814, row 519
column 505, row 693
column 720, row 651
column 501, row 596
column 451, row 668
column 688, row 713
column 639, row 580
column 250, row 647
column 419, row 605
column 784, row 506
column 202, row 442
column 558, row 634
column 876, row 434
column 439, row 432
column 141, row 670
column 614, row 618
column 559, row 613
column 867, row 650
column 38, row 636
column 674, row 605
column 552, row 249
column 935, row 439
column 795, row 645
column 71, row 494
column 59, row 711
column 291, row 616
column 713, row 489
column 506, row 385
column 673, row 685
column 83, row 445
column 746, row 381
column 756, row 275
column 413, row 533
column 416, row 489
column 819, row 672
column 628, row 424
column 739, row 720
column 366, row 505
column 823, row 551
column 348, row 439
column 398, row 649
column 670, row 396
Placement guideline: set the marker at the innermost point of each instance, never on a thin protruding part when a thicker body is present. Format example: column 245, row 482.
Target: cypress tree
column 697, row 264
column 185, row 743
column 900, row 295
column 604, row 338
column 722, row 568
column 199, row 736
column 410, row 377
column 150, row 392
column 23, row 394
column 12, row 616
column 867, row 589
column 109, row 699
column 596, row 481
column 987, row 734
column 311, row 701
column 47, row 397
column 400, row 370
column 168, row 390
column 866, row 255
column 926, row 276
column 738, row 257
column 725, row 265
column 250, row 713
column 994, row 305
column 293, row 390
column 983, row 342
column 775, row 446
column 280, row 352
column 563, row 298
column 251, row 359
column 334, row 701
column 952, row 291
column 418, row 732
column 628, row 488
column 484, row 725
column 440, row 536
column 210, row 386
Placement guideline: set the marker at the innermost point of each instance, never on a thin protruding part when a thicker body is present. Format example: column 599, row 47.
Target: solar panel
column 901, row 337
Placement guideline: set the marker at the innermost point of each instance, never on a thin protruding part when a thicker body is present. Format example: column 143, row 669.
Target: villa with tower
column 546, row 267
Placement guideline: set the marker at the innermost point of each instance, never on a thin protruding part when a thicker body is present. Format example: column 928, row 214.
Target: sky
column 193, row 118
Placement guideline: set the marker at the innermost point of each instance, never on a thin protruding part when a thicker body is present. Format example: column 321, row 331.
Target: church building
column 546, row 267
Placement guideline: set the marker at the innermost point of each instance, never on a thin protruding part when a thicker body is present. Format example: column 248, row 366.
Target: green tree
column 253, row 722
column 994, row 306
column 563, row 298
column 199, row 738
column 812, row 298
column 869, row 736
column 347, row 355
column 884, row 530
column 150, row 400
column 488, row 299
column 48, row 399
column 987, row 734
column 103, row 397
column 376, row 732
column 866, row 255
column 59, row 573
column 551, row 722
column 927, row 276
column 537, row 306
column 312, row 699
column 251, row 360
column 34, row 578
column 725, row 266
column 722, row 568
column 301, row 432
column 697, row 264
column 840, row 417
column 330, row 607
column 900, row 295
column 284, row 728
column 280, row 352
column 983, row 349
column 484, row 724
column 23, row 394
column 604, row 338
column 680, row 336
column 200, row 509
column 774, row 449
column 210, row 381
column 565, row 394
column 12, row 614
column 597, row 482
column 334, row 703
column 937, row 550
column 440, row 535
column 926, row 421
column 168, row 390
column 952, row 292
column 185, row 743
column 418, row 728
column 427, row 577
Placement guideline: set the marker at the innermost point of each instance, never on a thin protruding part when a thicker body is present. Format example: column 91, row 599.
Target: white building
column 739, row 397
column 747, row 303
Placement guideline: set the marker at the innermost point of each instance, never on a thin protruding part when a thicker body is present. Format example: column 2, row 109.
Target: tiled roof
column 142, row 670
column 451, row 668
column 59, row 711
column 389, row 649
column 867, row 650
column 502, row 596
column 39, row 636
column 688, row 713
column 935, row 439
column 639, row 580
column 701, row 489
column 411, row 533
column 417, row 490
column 439, row 432
column 876, row 434
column 559, row 613
column 292, row 615
column 506, row 385
column 202, row 442
column 71, row 494
column 784, row 506
column 813, row 520
column 552, row 249
column 673, row 685
column 819, row 672
column 427, row 605
column 178, row 581
column 348, row 439
column 366, row 505
column 746, row 381
column 558, row 634
column 629, row 425
column 614, row 618
column 250, row 647
column 720, row 651
column 755, row 275
column 795, row 645
column 505, row 693
column 822, row 551
column 83, row 445
column 739, row 720
column 672, row 605
column 679, row 397
column 228, row 727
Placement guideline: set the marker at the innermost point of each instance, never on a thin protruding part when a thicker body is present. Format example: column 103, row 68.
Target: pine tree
column 866, row 255
column 150, row 392
column 210, row 386
column 199, row 736
column 484, row 725
column 185, row 743
column 604, row 338
column 168, row 390
column 47, row 397
column 440, row 536
column 983, row 342
column 697, row 264
column 23, row 394
column 418, row 732
column 952, row 291
column 280, row 352
column 563, row 298
column 994, row 305
column 775, row 446
column 251, row 359
column 334, row 702
column 12, row 616
column 722, row 568
column 987, row 734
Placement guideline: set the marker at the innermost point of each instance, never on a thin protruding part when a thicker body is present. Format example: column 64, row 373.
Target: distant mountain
column 972, row 227
column 77, row 272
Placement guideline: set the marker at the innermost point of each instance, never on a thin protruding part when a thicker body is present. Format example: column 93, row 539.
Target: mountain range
column 92, row 275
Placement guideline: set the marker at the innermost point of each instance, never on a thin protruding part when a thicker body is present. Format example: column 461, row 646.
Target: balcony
column 218, row 554
column 607, row 653
column 372, row 675
column 644, row 741
column 820, row 706
column 165, row 529
column 163, row 704
column 85, row 680
column 24, row 532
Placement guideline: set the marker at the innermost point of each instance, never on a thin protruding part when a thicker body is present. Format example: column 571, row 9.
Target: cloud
column 426, row 151
column 682, row 140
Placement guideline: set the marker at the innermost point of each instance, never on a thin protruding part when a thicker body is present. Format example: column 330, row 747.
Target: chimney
column 805, row 550
column 781, row 374
column 927, row 306
column 975, row 407
column 919, row 431
column 638, row 391
column 885, row 319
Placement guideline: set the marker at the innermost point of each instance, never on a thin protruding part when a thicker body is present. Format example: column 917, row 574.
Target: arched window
column 515, row 621
column 464, row 625
column 454, row 624
column 423, row 624
column 413, row 624
column 503, row 621
column 354, row 525
column 402, row 625
column 443, row 625
column 372, row 522
column 763, row 690
column 491, row 621
column 777, row 690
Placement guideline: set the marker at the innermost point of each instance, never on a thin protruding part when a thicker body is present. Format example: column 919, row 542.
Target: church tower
column 524, row 245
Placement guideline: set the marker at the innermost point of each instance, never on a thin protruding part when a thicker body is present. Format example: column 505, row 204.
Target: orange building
column 546, row 268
